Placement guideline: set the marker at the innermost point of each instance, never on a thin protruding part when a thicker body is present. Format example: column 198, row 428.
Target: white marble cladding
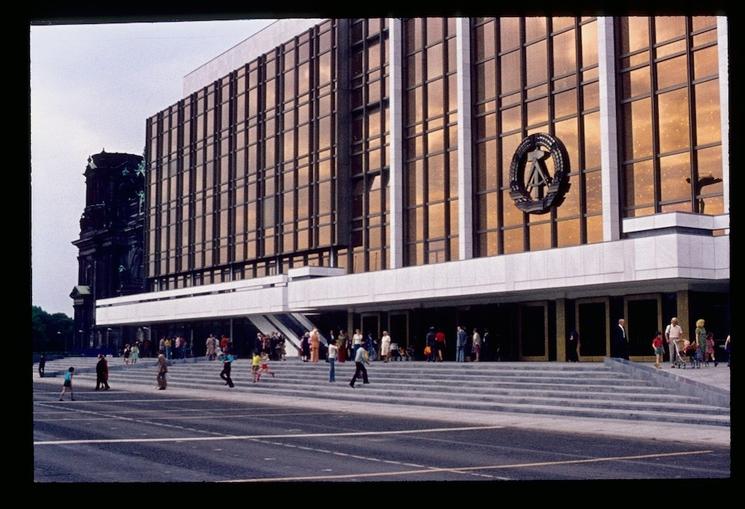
column 625, row 261
column 675, row 219
column 259, row 43
column 312, row 272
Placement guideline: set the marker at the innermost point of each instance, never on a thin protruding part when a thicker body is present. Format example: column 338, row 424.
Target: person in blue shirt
column 67, row 384
column 226, row 367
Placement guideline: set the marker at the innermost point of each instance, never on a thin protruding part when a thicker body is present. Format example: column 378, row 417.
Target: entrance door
column 370, row 325
column 592, row 324
column 398, row 324
column 534, row 332
column 643, row 319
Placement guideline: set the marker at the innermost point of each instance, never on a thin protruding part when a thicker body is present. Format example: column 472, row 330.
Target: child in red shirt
column 659, row 350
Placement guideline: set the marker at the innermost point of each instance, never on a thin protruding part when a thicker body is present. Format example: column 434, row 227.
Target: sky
column 92, row 87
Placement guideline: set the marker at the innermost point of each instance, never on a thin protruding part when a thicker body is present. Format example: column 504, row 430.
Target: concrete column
column 396, row 153
column 561, row 353
column 682, row 313
column 723, row 49
column 350, row 321
column 465, row 146
column 608, row 131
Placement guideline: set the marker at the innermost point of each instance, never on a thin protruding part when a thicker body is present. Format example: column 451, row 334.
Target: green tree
column 50, row 332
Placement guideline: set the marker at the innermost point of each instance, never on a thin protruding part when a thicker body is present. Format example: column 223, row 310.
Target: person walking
column 255, row 364
column 102, row 373
column 673, row 333
column 162, row 370
column 360, row 359
column 127, row 353
column 42, row 364
column 728, row 349
column 135, row 353
column 67, row 384
column 659, row 350
column 264, row 367
column 226, row 367
column 331, row 359
column 460, row 344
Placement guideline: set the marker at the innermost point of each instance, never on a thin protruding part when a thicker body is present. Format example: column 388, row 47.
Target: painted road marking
column 467, row 469
column 253, row 437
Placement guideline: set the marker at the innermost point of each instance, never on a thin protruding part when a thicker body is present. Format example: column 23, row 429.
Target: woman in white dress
column 385, row 346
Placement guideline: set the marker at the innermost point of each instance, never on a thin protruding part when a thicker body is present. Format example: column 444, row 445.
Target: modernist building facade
column 528, row 175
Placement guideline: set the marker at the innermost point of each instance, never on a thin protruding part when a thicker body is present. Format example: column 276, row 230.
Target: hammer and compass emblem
column 532, row 186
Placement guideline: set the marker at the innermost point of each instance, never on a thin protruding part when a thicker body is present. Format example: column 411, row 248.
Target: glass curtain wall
column 535, row 75
column 430, row 141
column 671, row 136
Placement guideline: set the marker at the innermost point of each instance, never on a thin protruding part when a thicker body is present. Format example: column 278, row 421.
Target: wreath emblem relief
column 532, row 187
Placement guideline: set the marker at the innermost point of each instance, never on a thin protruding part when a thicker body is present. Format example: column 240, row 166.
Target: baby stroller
column 685, row 354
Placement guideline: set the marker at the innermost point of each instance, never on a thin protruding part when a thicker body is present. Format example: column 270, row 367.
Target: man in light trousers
column 673, row 332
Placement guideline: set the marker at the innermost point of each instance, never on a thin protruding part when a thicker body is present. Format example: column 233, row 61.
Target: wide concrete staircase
column 579, row 390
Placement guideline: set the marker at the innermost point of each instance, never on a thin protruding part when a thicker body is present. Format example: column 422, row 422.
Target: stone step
column 637, row 402
column 694, row 416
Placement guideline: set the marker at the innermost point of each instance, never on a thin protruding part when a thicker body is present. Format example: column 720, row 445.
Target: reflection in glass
column 636, row 82
column 705, row 62
column 592, row 140
column 513, row 241
column 638, row 129
column 509, row 35
column 593, row 192
column 707, row 112
column 669, row 27
column 674, row 121
column 536, row 63
column 594, row 229
column 535, row 28
column 436, row 215
column 564, row 104
column 674, row 170
column 589, row 44
column 634, row 33
column 509, row 72
column 566, row 131
column 565, row 54
column 540, row 236
column 568, row 233
column 672, row 72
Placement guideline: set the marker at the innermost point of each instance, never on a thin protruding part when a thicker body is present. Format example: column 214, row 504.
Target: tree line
column 50, row 333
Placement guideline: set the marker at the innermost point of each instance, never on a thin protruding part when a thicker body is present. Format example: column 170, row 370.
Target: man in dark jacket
column 102, row 373
column 622, row 341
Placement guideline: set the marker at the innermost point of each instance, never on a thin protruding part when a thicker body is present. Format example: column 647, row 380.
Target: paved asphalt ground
column 122, row 436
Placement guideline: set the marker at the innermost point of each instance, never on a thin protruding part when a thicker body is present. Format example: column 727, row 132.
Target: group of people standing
column 701, row 347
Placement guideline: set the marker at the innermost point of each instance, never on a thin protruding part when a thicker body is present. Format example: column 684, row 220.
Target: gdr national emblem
column 533, row 186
